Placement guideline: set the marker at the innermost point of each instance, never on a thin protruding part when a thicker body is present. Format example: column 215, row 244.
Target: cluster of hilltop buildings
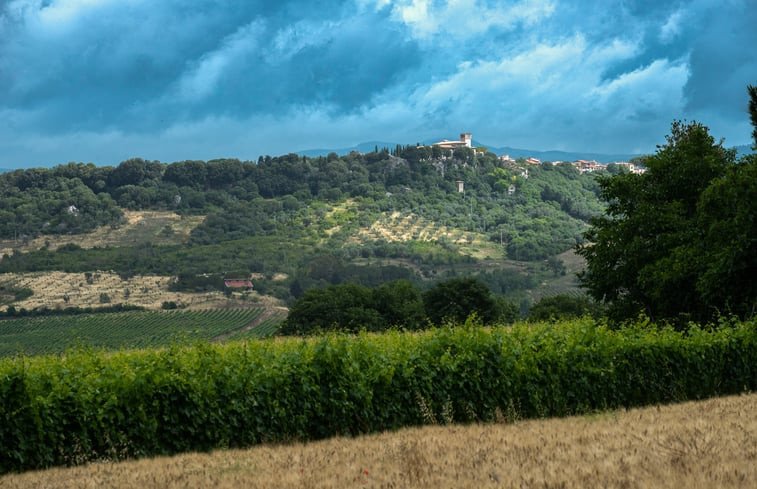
column 583, row 166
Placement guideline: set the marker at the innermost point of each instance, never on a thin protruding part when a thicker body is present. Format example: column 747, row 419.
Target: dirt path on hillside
column 264, row 316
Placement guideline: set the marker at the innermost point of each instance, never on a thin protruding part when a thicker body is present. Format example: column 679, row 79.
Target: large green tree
column 352, row 307
column 678, row 242
column 456, row 299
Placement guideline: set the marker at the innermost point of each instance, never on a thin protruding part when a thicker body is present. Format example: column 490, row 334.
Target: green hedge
column 91, row 405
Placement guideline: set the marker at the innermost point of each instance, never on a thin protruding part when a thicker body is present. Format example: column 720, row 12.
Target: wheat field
column 704, row 444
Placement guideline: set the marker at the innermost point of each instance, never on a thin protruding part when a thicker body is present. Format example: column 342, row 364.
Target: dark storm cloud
column 94, row 64
column 102, row 80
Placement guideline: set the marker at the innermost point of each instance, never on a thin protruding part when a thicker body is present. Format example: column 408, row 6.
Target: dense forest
column 300, row 216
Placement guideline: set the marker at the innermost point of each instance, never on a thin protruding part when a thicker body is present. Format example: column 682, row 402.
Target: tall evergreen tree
column 753, row 112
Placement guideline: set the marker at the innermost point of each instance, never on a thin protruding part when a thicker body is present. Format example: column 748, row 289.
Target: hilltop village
column 583, row 166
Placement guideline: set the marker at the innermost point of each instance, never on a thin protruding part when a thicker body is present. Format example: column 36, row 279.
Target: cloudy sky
column 105, row 80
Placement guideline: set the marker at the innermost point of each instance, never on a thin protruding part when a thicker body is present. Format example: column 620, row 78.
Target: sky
column 102, row 81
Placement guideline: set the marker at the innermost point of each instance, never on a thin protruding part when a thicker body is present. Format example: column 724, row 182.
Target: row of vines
column 130, row 329
column 93, row 405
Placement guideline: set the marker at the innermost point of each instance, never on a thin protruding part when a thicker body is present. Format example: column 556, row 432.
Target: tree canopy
column 678, row 242
column 456, row 299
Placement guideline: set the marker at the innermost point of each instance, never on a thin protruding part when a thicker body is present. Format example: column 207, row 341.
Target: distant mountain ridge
column 366, row 147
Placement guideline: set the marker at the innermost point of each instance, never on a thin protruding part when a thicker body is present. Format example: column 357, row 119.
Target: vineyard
column 267, row 325
column 132, row 329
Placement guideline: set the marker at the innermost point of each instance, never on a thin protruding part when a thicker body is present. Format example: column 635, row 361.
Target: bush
column 458, row 298
column 563, row 306
column 91, row 405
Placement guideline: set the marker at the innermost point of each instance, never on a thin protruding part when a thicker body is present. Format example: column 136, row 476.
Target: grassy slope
column 710, row 443
column 140, row 227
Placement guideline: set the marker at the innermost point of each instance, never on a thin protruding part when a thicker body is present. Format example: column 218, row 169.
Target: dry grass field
column 706, row 444
column 60, row 289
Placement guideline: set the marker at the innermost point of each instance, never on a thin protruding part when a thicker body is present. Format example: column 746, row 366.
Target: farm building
column 237, row 283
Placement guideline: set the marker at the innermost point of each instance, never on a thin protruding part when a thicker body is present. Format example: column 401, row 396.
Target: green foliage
column 562, row 307
column 352, row 307
column 42, row 334
column 677, row 242
column 9, row 294
column 66, row 311
column 506, row 312
column 285, row 196
column 727, row 251
column 752, row 90
column 457, row 299
column 39, row 201
column 399, row 303
column 292, row 214
column 345, row 307
column 88, row 405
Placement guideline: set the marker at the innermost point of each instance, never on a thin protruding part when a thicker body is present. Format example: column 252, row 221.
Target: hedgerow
column 82, row 406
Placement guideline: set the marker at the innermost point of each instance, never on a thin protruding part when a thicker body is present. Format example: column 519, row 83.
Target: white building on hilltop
column 465, row 142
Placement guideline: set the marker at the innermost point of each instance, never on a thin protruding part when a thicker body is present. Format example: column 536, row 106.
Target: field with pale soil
column 60, row 289
column 407, row 227
column 705, row 444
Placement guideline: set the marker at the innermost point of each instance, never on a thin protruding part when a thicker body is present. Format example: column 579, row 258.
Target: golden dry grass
column 61, row 289
column 706, row 444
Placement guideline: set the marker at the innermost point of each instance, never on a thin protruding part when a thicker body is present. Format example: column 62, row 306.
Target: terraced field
column 56, row 290
column 411, row 227
column 132, row 329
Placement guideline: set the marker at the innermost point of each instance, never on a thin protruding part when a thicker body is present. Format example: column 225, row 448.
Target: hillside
column 298, row 222
column 549, row 155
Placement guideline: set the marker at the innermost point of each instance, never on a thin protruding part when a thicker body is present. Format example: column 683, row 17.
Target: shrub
column 91, row 405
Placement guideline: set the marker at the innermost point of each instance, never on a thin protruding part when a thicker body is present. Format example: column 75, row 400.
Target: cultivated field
column 133, row 329
column 59, row 290
column 705, row 444
column 407, row 227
